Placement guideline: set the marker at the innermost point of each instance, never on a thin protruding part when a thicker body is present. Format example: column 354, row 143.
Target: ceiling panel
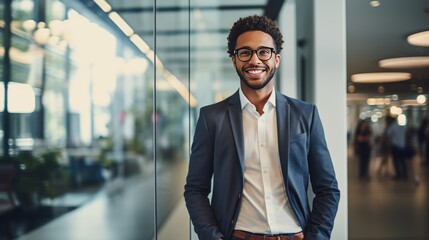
column 373, row 33
column 376, row 33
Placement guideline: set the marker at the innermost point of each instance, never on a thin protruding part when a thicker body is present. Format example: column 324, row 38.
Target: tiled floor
column 379, row 208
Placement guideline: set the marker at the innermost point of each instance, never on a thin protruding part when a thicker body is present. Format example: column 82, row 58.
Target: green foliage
column 39, row 176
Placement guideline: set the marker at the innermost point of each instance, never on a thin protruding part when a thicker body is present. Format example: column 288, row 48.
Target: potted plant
column 38, row 177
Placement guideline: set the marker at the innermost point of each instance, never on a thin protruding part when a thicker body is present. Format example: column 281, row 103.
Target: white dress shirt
column 265, row 207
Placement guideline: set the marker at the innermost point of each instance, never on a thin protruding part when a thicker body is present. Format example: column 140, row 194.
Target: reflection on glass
column 173, row 103
column 21, row 98
column 86, row 90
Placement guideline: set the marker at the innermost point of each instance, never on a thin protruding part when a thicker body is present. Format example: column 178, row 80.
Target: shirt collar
column 244, row 101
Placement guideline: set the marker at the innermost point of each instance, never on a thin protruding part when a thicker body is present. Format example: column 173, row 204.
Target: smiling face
column 256, row 74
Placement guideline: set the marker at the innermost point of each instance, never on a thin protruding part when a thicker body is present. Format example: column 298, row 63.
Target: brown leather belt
column 242, row 235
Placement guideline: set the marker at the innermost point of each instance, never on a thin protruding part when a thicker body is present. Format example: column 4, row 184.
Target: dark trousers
column 363, row 153
column 425, row 158
column 398, row 157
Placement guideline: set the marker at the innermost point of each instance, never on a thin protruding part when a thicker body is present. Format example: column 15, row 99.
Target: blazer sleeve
column 324, row 183
column 198, row 182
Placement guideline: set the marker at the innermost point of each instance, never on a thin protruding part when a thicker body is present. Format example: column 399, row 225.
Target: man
column 397, row 138
column 261, row 148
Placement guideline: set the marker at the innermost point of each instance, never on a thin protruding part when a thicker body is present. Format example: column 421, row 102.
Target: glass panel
column 2, row 19
column 97, row 91
column 172, row 119
column 101, row 100
column 22, row 107
column 54, row 80
column 133, row 102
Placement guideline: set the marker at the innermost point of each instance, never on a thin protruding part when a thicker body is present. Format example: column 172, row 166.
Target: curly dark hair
column 254, row 23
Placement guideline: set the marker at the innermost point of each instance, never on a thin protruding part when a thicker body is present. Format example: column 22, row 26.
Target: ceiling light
column 395, row 110
column 29, row 25
column 376, row 101
column 41, row 35
column 419, row 39
column 121, row 23
column 375, row 3
column 351, row 88
column 21, row 98
column 103, row 5
column 380, row 77
column 386, row 101
column 421, row 99
column 405, row 62
column 402, row 120
column 140, row 44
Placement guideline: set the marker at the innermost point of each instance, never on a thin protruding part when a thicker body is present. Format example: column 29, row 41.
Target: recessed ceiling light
column 380, row 77
column 419, row 39
column 405, row 62
column 421, row 99
column 375, row 3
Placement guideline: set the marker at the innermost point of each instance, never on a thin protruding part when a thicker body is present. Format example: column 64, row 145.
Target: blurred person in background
column 411, row 152
column 423, row 134
column 397, row 139
column 383, row 168
column 363, row 147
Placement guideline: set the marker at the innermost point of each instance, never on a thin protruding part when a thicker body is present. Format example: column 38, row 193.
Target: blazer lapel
column 283, row 130
column 236, row 117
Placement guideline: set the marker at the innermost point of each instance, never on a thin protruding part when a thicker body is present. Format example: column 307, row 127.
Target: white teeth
column 254, row 71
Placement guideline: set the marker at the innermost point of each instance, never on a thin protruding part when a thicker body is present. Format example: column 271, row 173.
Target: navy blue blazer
column 218, row 152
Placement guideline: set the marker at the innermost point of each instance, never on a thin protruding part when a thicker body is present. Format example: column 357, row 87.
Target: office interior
column 99, row 100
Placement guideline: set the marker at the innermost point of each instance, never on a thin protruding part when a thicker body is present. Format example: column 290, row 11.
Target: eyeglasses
column 245, row 54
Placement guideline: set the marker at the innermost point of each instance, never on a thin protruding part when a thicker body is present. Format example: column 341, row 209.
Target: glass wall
column 2, row 71
column 116, row 103
column 81, row 89
column 172, row 110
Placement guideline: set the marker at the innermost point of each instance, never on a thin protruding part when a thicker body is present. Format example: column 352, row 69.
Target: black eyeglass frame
column 256, row 51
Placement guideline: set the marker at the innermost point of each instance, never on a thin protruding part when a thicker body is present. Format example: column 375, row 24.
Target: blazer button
column 232, row 222
column 239, row 196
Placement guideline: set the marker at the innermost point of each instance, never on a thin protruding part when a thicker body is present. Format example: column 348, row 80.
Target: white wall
column 330, row 93
column 288, row 66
